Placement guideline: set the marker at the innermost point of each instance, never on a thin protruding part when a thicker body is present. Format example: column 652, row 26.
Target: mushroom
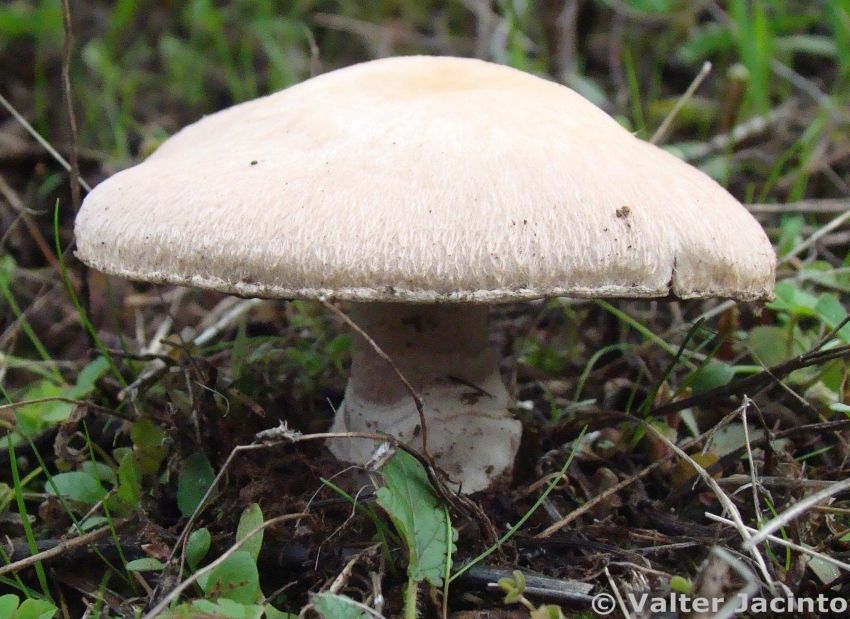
column 422, row 189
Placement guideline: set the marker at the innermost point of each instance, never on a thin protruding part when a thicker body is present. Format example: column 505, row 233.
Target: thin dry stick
column 620, row 601
column 69, row 104
column 157, row 365
column 739, row 133
column 212, row 487
column 793, row 512
column 725, row 501
column 44, row 143
column 61, row 548
column 816, row 236
column 661, row 132
column 175, row 593
column 7, row 409
column 417, row 400
column 590, row 504
column 730, row 607
column 784, row 542
column 585, row 507
column 754, row 481
column 825, row 205
column 25, row 214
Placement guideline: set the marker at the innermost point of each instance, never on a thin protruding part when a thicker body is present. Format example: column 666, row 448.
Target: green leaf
column 7, row 495
column 680, row 584
column 252, row 517
column 99, row 470
column 547, row 611
column 194, row 481
column 149, row 444
column 791, row 233
column 830, row 310
column 419, row 517
column 129, row 481
column 236, row 579
column 219, row 608
column 333, row 606
column 713, row 374
column 146, row 564
column 33, row 418
column 197, row 547
column 228, row 608
column 8, row 604
column 35, row 609
column 839, row 407
column 87, row 378
column 76, row 486
column 794, row 300
column 769, row 344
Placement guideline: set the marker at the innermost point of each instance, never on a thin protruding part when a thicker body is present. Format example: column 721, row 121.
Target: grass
column 770, row 122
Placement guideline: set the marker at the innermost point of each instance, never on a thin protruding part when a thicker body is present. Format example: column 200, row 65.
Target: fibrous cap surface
column 423, row 179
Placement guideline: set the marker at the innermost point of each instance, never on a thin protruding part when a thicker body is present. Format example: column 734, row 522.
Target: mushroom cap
column 423, row 179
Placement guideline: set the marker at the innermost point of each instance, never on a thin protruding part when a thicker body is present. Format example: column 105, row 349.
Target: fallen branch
column 61, row 548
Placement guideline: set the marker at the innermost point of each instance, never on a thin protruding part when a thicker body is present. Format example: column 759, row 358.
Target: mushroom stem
column 442, row 350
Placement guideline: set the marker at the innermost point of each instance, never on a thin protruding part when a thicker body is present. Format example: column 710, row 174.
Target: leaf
column 33, row 418
column 252, row 517
column 35, row 609
column 148, row 444
column 7, row 495
column 197, row 547
column 146, row 564
column 87, row 378
column 228, row 608
column 129, row 481
column 76, row 486
column 832, row 312
column 333, row 606
column 99, row 470
column 680, row 584
column 8, row 604
column 769, row 344
column 794, row 300
column 219, row 608
column 713, row 374
column 839, row 407
column 419, row 517
column 236, row 579
column 547, row 611
column 194, row 481
column 274, row 613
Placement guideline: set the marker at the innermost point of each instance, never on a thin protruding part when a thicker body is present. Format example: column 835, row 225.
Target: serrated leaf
column 145, row 564
column 76, row 486
column 252, row 517
column 333, row 606
column 197, row 547
column 194, row 480
column 236, row 579
column 419, row 517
